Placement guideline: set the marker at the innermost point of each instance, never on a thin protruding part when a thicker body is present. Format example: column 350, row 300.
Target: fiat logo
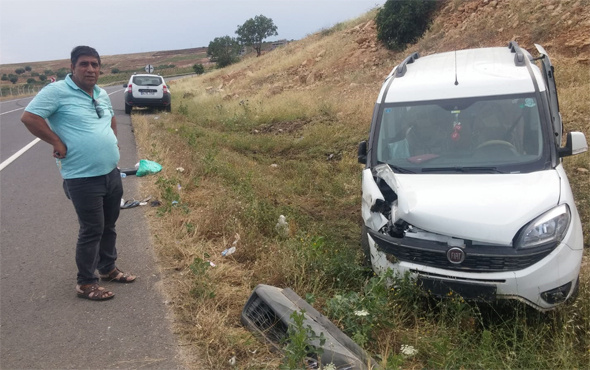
column 455, row 255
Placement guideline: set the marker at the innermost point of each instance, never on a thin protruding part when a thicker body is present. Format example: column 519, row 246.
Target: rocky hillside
column 561, row 26
column 349, row 59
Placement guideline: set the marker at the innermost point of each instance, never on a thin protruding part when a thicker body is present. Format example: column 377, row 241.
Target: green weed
column 202, row 286
column 299, row 344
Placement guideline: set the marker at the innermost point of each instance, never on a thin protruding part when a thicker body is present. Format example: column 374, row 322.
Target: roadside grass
column 249, row 143
column 573, row 83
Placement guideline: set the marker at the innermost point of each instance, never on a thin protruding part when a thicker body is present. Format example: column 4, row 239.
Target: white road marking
column 18, row 154
column 10, row 111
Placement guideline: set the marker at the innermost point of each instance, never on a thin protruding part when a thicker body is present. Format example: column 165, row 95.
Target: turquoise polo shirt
column 90, row 140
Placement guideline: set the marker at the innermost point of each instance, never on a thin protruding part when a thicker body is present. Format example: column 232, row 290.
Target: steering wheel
column 497, row 143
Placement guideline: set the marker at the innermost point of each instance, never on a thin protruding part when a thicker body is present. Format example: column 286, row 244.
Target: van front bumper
column 542, row 278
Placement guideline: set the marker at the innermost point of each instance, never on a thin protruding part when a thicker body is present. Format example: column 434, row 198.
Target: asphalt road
column 43, row 325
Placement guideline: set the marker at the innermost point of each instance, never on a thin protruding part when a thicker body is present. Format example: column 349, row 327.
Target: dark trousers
column 97, row 201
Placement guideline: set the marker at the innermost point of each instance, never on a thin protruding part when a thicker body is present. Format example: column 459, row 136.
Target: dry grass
column 278, row 135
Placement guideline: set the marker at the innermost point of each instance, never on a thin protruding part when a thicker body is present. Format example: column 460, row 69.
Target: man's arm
column 114, row 125
column 38, row 127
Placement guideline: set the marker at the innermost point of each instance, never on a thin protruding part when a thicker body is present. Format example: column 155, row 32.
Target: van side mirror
column 575, row 144
column 362, row 152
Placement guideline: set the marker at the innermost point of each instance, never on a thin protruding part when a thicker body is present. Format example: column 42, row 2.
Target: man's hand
column 59, row 151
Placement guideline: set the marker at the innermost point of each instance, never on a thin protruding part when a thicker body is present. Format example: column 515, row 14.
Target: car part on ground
column 268, row 314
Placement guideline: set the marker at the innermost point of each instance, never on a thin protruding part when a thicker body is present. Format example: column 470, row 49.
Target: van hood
column 487, row 208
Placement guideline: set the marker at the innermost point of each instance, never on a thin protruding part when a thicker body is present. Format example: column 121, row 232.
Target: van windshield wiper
column 400, row 169
column 463, row 169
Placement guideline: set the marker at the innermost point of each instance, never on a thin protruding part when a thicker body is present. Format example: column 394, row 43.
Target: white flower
column 408, row 350
column 361, row 313
column 330, row 366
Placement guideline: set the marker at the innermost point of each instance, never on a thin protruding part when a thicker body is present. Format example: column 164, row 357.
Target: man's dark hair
column 79, row 51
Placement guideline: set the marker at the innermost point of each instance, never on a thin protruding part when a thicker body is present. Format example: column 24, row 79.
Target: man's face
column 85, row 73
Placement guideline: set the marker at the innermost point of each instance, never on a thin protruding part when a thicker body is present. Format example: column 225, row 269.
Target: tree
column 42, row 77
column 62, row 73
column 19, row 71
column 401, row 22
column 28, row 68
column 31, row 81
column 254, row 30
column 13, row 79
column 224, row 51
column 199, row 69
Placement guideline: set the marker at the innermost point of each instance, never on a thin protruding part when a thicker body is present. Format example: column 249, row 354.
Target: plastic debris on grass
column 147, row 167
column 232, row 249
column 282, row 227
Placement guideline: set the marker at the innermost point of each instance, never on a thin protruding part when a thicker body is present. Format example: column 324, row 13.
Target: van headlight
column 550, row 227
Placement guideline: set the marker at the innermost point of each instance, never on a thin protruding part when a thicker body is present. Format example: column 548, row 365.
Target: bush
column 401, row 22
column 62, row 73
column 4, row 77
column 28, row 68
column 19, row 71
column 224, row 51
column 199, row 69
column 31, row 81
column 115, row 71
column 13, row 79
column 42, row 77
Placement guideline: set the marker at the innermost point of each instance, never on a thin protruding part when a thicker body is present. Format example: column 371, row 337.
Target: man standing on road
column 83, row 132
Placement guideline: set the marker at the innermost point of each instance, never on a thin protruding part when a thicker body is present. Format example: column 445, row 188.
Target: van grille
column 477, row 258
column 264, row 319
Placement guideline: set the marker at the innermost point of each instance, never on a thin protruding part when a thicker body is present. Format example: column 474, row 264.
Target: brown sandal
column 118, row 276
column 94, row 292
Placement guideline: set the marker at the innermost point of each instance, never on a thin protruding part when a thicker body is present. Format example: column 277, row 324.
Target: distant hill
column 164, row 62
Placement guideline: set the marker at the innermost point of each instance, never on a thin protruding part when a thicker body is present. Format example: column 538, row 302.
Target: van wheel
column 127, row 108
column 365, row 247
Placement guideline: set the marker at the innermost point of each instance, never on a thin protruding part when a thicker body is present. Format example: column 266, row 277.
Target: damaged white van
column 463, row 186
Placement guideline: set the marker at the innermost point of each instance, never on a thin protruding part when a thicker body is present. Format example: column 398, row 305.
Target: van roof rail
column 402, row 67
column 519, row 55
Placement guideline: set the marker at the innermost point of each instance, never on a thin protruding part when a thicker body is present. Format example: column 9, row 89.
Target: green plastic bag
column 148, row 167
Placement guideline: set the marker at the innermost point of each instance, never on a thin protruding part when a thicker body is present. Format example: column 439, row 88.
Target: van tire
column 127, row 108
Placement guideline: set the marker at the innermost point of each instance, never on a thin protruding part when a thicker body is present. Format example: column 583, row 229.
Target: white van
column 464, row 187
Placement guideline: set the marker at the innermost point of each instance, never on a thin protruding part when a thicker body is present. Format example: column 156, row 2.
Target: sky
column 44, row 30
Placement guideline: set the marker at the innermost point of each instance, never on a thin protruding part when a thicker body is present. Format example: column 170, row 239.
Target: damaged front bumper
column 483, row 277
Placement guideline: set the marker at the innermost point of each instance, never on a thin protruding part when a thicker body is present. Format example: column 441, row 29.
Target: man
column 82, row 129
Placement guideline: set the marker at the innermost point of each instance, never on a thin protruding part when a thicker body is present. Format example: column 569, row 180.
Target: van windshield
column 480, row 135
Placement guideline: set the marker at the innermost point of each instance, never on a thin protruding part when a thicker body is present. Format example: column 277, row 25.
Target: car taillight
column 129, row 88
column 165, row 89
